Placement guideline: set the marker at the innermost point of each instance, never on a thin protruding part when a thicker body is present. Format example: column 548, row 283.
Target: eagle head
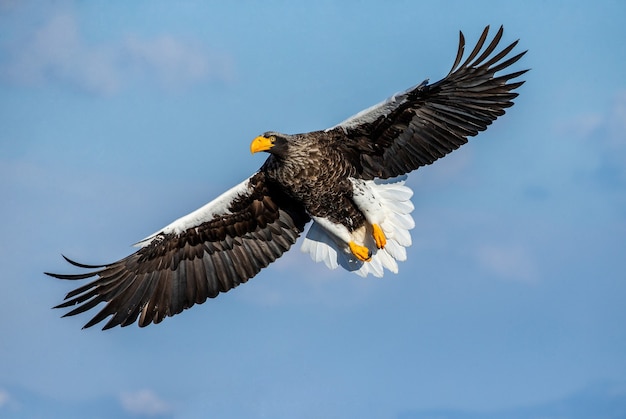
column 271, row 142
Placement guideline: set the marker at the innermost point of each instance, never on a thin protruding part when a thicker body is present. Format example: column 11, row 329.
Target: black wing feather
column 176, row 271
column 431, row 120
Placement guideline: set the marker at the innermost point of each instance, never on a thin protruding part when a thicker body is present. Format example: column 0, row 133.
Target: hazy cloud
column 452, row 169
column 4, row 398
column 600, row 400
column 604, row 137
column 58, row 52
column 173, row 63
column 8, row 402
column 616, row 123
column 507, row 261
column 144, row 402
column 612, row 137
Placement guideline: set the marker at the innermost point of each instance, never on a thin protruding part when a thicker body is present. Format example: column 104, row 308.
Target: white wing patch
column 380, row 109
column 384, row 202
column 217, row 207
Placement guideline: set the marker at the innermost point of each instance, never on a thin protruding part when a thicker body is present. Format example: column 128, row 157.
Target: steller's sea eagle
column 348, row 179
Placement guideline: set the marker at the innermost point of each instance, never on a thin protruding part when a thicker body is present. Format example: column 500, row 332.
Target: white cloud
column 173, row 63
column 580, row 127
column 507, row 261
column 58, row 52
column 144, row 402
column 603, row 135
column 608, row 141
column 8, row 403
column 4, row 398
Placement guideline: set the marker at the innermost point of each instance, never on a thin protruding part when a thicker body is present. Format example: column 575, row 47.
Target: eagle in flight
column 348, row 180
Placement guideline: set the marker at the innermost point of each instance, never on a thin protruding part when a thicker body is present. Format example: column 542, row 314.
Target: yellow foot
column 362, row 253
column 379, row 236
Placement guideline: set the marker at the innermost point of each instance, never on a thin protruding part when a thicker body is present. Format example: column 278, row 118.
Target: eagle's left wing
column 417, row 127
column 208, row 251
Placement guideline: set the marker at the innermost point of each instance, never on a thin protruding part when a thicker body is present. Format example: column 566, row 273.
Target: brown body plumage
column 325, row 175
column 312, row 170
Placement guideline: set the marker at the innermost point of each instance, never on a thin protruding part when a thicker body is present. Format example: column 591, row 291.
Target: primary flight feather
column 348, row 179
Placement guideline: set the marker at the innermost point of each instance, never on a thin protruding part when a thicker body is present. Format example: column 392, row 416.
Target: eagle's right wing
column 208, row 251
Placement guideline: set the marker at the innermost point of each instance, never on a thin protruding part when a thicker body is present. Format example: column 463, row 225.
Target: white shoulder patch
column 219, row 206
column 384, row 202
column 373, row 112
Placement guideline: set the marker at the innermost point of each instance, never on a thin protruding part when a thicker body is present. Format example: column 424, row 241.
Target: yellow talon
column 379, row 236
column 362, row 253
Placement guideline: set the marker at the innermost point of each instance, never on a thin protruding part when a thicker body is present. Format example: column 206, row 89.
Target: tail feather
column 394, row 198
column 321, row 246
column 396, row 251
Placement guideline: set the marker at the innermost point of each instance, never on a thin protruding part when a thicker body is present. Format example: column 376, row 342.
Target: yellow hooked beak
column 261, row 143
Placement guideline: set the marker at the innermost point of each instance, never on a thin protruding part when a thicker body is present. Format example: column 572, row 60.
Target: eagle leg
column 379, row 236
column 362, row 253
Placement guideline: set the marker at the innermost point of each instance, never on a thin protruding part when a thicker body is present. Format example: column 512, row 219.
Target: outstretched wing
column 428, row 121
column 209, row 251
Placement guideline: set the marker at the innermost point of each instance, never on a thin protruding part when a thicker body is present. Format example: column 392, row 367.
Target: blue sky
column 117, row 118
